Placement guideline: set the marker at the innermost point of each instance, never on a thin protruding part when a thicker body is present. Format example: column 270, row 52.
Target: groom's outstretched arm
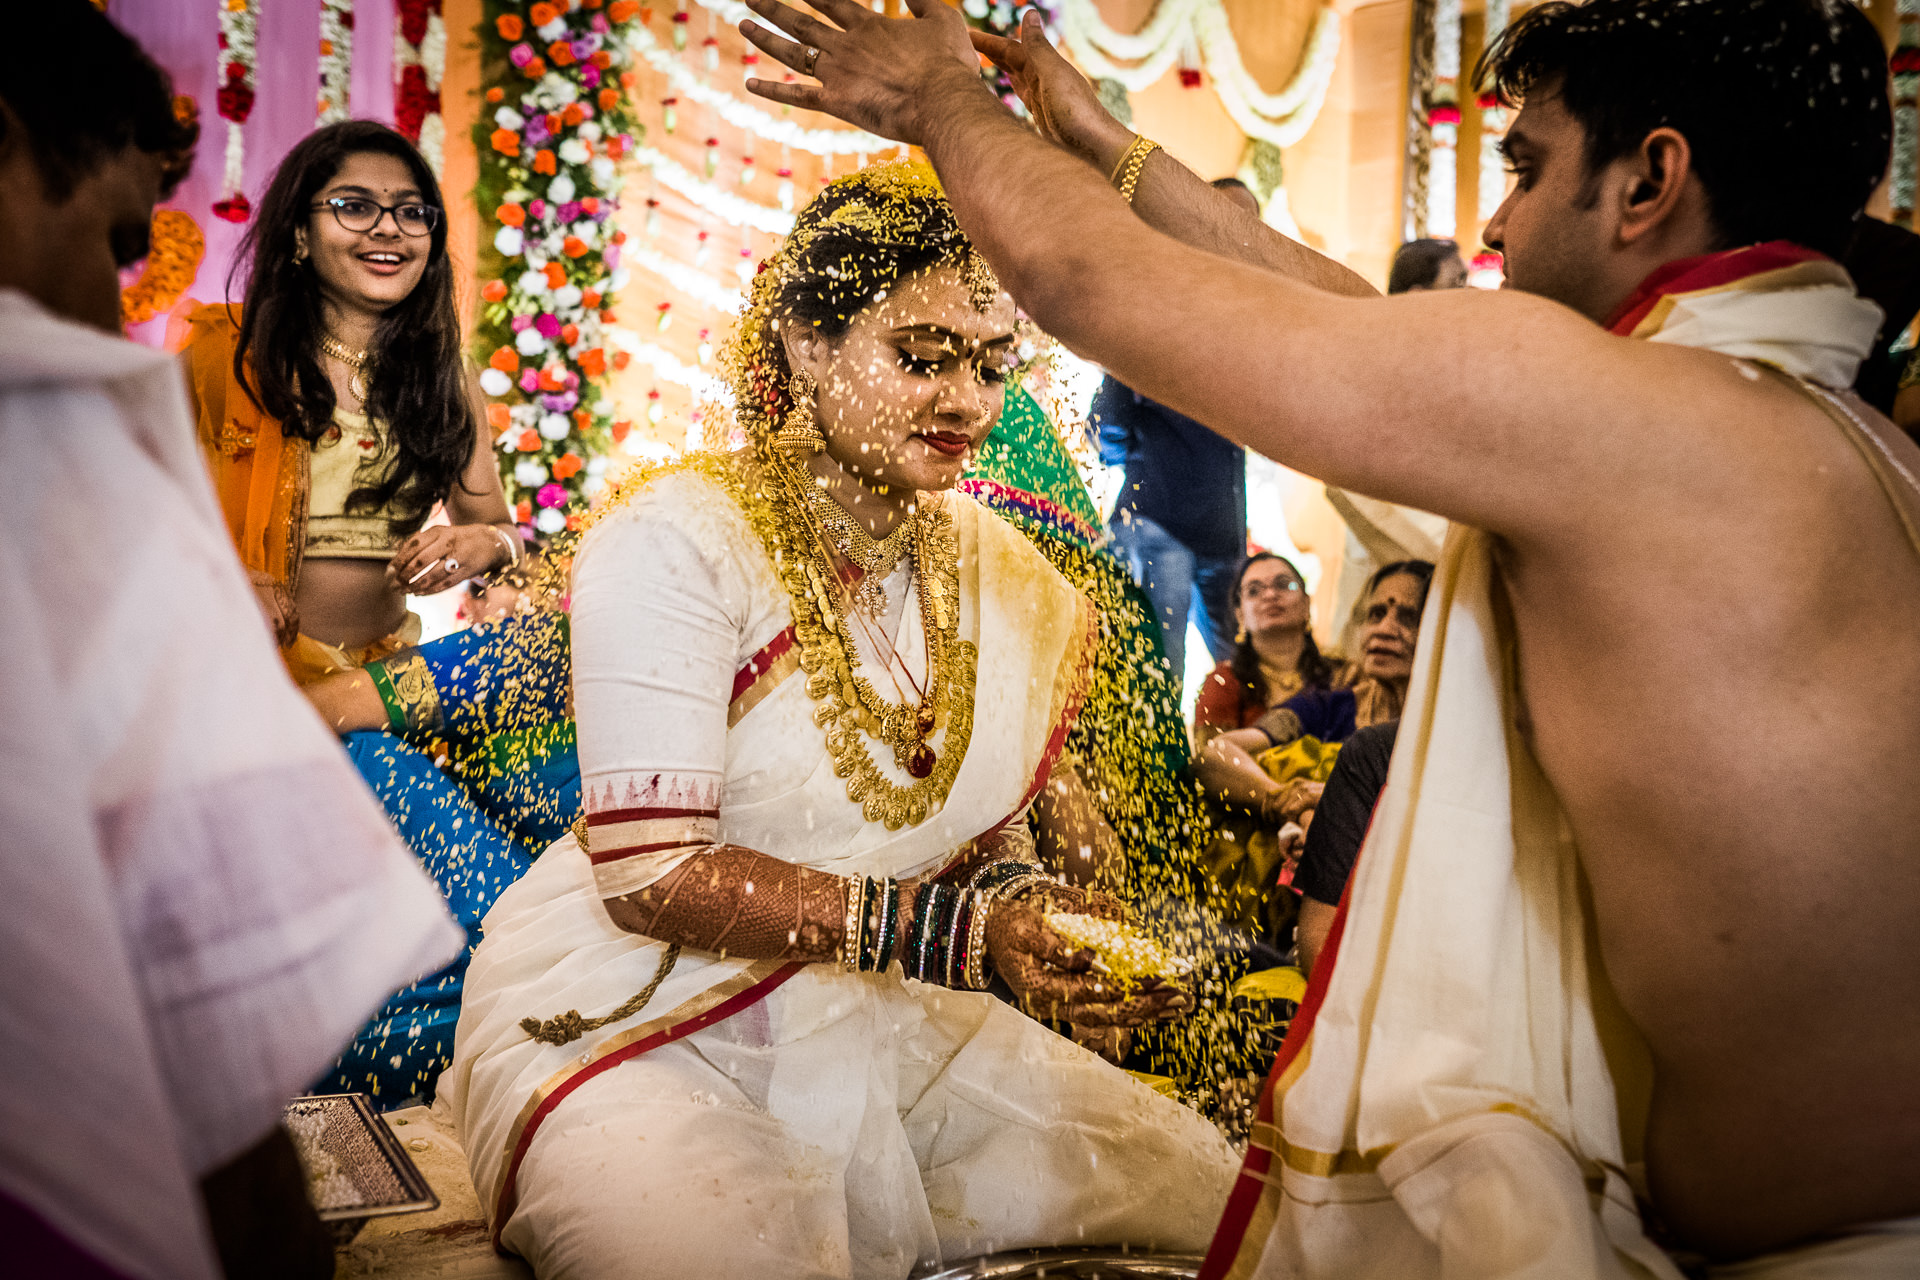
column 1501, row 410
column 1168, row 196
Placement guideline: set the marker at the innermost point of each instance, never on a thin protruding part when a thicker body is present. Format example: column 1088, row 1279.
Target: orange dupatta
column 259, row 474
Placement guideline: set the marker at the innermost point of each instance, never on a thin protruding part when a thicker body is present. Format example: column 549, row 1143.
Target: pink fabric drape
column 183, row 37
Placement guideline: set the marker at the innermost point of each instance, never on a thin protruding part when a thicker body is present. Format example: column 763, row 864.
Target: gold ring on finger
column 810, row 56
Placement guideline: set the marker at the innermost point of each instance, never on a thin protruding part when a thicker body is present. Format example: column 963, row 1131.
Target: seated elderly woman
column 1274, row 656
column 1264, row 780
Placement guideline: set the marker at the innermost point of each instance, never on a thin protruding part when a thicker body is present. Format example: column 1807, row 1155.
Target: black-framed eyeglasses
column 356, row 213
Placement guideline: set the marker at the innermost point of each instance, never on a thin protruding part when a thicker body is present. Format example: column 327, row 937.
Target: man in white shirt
column 202, row 901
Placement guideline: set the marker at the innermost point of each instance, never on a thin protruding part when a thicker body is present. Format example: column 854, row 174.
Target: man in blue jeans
column 1181, row 521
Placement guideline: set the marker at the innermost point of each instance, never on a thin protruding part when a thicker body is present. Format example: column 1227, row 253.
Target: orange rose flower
column 595, row 4
column 506, row 142
column 496, row 94
column 593, row 363
column 523, row 513
column 556, row 275
column 621, row 359
column 626, row 79
column 499, row 419
column 505, row 359
column 591, row 298
column 609, row 99
column 561, row 52
column 575, row 523
column 607, row 317
column 569, row 333
column 543, row 162
column 619, row 237
column 511, row 215
column 534, row 69
column 602, row 60
column 582, row 419
column 542, row 14
column 591, row 205
column 620, row 430
column 495, row 291
column 573, row 247
column 567, row 464
column 623, row 10
column 555, row 122
column 510, row 27
column 572, row 114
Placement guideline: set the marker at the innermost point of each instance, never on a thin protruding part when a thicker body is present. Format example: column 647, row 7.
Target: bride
column 734, row 1023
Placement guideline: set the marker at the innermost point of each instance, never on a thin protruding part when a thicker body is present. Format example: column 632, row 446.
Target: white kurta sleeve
column 656, row 627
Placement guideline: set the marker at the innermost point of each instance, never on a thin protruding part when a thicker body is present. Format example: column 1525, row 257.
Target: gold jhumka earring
column 799, row 434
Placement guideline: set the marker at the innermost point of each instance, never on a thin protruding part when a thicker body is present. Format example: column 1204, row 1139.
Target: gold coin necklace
column 354, row 360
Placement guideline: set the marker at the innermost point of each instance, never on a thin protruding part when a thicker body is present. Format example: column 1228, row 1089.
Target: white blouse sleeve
column 655, row 634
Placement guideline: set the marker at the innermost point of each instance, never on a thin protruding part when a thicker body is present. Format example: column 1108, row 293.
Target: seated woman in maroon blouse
column 1274, row 656
column 1372, row 692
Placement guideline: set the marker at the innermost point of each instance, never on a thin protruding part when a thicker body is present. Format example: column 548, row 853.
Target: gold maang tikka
column 799, row 434
column 982, row 285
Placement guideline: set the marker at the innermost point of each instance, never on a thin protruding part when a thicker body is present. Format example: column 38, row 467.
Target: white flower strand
column 744, row 115
column 336, row 60
column 689, row 281
column 238, row 24
column 1281, row 118
column 720, row 203
column 1493, row 126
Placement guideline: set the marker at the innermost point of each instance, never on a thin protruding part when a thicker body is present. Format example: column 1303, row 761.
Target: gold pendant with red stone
column 920, row 760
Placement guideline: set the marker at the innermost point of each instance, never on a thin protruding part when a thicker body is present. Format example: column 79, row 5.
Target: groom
column 1698, row 558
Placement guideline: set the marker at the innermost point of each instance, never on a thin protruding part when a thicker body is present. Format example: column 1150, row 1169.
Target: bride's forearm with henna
column 733, row 901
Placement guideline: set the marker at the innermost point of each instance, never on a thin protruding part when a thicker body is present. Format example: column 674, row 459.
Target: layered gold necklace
column 802, row 537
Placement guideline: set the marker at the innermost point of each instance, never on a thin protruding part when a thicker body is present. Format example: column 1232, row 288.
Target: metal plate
column 1071, row 1264
column 356, row 1168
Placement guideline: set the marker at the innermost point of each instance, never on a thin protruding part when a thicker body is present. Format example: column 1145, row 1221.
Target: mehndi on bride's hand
column 1055, row 979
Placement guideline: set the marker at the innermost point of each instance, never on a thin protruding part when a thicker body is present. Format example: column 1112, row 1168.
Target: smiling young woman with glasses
column 337, row 412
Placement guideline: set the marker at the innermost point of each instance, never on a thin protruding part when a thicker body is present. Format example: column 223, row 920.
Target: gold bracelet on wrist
column 1130, row 164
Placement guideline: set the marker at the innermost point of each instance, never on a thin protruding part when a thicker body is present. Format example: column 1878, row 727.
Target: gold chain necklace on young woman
column 876, row 560
column 355, row 360
column 849, row 707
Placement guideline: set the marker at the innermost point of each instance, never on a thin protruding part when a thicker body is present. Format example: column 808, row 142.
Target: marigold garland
column 556, row 73
column 173, row 259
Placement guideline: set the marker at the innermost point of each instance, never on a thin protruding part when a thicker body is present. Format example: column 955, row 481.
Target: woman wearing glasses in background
column 1264, row 767
column 337, row 413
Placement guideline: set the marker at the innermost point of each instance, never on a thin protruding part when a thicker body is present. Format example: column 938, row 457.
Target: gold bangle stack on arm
column 1126, row 174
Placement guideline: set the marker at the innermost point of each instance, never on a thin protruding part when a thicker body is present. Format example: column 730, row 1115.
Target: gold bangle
column 1141, row 150
column 1113, row 179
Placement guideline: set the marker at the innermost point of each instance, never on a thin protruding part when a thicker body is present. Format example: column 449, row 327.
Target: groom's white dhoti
column 759, row 1118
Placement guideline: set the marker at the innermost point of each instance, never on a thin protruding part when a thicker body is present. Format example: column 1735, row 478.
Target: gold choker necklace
column 355, row 360
column 876, row 560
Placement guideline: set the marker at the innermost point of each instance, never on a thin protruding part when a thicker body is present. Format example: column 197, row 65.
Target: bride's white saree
column 834, row 1123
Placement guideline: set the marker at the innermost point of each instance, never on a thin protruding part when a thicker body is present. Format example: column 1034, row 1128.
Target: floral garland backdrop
column 557, row 121
column 1905, row 66
column 239, row 21
column 336, row 60
column 419, row 63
